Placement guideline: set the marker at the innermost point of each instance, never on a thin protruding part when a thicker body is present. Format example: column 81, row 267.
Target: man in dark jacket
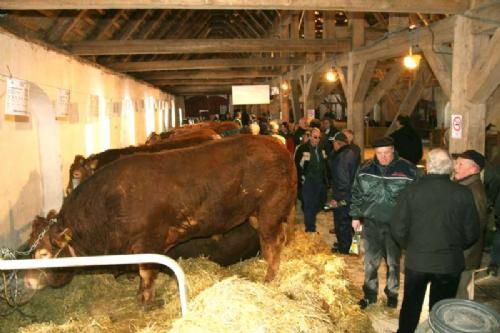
column 407, row 142
column 467, row 168
column 312, row 167
column 343, row 166
column 377, row 185
column 435, row 220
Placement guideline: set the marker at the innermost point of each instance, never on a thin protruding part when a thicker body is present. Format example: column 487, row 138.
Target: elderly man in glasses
column 311, row 162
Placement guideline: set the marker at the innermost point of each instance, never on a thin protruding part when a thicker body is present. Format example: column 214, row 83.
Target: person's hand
column 333, row 204
column 356, row 225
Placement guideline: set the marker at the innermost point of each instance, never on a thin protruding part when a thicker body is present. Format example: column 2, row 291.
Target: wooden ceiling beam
column 401, row 6
column 397, row 44
column 145, row 66
column 203, row 75
column 175, row 46
column 213, row 82
column 197, row 90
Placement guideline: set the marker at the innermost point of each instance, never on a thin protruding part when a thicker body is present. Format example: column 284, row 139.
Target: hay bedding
column 310, row 294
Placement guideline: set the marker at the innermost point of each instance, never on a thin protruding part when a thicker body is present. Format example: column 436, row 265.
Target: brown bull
column 85, row 167
column 148, row 203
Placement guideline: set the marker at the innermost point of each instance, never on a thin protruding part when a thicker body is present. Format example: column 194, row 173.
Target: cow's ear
column 64, row 237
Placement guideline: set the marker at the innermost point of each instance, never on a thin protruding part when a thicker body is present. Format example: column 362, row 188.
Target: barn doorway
column 49, row 149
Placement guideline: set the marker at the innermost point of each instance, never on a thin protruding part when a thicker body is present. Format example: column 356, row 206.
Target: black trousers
column 343, row 228
column 442, row 286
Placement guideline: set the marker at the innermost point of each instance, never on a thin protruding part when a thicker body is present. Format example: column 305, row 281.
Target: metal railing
column 125, row 259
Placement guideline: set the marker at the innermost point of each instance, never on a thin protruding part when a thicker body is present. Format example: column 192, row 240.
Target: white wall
column 38, row 150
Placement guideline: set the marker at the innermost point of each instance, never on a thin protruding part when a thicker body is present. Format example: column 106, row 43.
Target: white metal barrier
column 125, row 259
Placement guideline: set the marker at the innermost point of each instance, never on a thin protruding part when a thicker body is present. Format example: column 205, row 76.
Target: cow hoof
column 269, row 277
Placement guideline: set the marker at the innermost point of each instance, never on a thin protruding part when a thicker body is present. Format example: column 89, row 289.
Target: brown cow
column 148, row 203
column 223, row 128
column 85, row 167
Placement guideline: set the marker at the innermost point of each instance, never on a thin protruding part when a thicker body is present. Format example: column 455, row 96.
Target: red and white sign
column 456, row 126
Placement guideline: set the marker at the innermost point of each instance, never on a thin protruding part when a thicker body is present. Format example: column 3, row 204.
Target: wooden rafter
column 116, row 47
column 210, row 74
column 214, row 82
column 263, row 30
column 204, row 64
column 104, row 31
column 424, row 6
column 397, row 43
column 381, row 89
column 72, row 24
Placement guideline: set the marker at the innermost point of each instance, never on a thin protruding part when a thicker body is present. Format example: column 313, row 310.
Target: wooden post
column 294, row 84
column 310, row 79
column 355, row 73
column 284, row 95
column 466, row 50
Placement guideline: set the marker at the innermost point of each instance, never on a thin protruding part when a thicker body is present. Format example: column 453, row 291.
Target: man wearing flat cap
column 343, row 165
column 467, row 169
column 376, row 187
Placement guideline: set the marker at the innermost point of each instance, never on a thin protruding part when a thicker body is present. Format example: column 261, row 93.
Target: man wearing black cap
column 376, row 187
column 467, row 169
column 343, row 165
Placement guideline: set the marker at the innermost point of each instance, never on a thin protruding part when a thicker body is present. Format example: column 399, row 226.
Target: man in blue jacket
column 376, row 188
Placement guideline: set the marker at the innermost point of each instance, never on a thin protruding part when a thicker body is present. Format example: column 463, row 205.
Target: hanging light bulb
column 285, row 86
column 411, row 61
column 331, row 76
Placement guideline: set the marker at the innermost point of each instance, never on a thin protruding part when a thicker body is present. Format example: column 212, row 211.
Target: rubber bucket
column 463, row 316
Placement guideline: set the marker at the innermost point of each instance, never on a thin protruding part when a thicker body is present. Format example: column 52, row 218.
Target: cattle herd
column 188, row 192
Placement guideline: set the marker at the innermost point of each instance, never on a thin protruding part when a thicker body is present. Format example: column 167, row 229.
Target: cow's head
column 48, row 240
column 80, row 169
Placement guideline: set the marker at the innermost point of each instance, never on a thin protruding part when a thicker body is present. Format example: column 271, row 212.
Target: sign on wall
column 456, row 126
column 62, row 103
column 17, row 95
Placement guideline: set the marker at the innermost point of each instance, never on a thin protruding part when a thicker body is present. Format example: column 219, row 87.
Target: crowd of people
column 437, row 219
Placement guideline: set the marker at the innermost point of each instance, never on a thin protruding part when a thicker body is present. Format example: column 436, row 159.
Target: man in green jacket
column 376, row 187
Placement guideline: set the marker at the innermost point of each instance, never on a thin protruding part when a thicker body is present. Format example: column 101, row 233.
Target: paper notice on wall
column 62, row 103
column 17, row 96
column 456, row 126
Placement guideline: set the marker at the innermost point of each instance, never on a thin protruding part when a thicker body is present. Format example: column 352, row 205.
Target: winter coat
column 343, row 166
column 474, row 253
column 376, row 188
column 435, row 220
